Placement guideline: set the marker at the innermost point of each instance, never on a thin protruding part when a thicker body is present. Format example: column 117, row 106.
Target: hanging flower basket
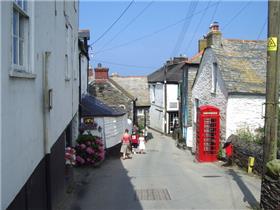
column 89, row 150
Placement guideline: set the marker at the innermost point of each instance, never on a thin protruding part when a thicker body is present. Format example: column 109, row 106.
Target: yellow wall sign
column 272, row 44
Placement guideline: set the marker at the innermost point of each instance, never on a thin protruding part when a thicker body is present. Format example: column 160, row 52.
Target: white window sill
column 22, row 74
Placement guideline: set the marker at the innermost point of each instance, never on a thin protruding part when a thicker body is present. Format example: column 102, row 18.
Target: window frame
column 22, row 11
column 195, row 111
column 140, row 112
column 214, row 77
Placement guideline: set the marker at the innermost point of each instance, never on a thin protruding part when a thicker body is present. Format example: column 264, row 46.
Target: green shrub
column 247, row 135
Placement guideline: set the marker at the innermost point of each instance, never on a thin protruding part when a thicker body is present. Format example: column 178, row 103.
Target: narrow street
column 163, row 178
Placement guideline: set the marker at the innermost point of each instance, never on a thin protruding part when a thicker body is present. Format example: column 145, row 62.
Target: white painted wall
column 172, row 97
column 84, row 69
column 157, row 106
column 159, row 95
column 22, row 110
column 244, row 111
column 157, row 118
column 1, row 54
column 112, row 129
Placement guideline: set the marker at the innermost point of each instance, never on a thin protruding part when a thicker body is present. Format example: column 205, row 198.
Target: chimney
column 101, row 73
column 202, row 44
column 214, row 36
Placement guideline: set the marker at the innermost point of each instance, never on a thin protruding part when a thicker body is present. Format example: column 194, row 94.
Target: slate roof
column 137, row 86
column 242, row 65
column 91, row 106
column 196, row 58
column 173, row 74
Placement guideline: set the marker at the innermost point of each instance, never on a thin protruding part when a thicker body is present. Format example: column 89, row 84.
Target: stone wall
column 111, row 96
column 270, row 193
column 242, row 150
column 202, row 91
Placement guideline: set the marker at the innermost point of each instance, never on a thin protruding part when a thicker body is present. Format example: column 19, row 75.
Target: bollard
column 251, row 162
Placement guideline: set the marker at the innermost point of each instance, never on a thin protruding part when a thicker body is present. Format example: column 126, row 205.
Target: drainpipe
column 134, row 119
column 80, row 88
column 47, row 99
column 47, row 106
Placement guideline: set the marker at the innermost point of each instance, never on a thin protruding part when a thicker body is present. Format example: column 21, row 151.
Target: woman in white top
column 142, row 145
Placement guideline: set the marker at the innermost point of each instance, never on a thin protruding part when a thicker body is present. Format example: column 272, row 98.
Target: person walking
column 126, row 139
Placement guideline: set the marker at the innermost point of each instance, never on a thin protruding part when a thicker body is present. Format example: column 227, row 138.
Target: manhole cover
column 152, row 194
column 211, row 176
column 152, row 150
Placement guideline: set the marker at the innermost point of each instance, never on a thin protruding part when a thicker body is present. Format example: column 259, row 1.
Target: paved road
column 165, row 178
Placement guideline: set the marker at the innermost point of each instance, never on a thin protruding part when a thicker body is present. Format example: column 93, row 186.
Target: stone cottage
column 111, row 93
column 231, row 77
column 137, row 86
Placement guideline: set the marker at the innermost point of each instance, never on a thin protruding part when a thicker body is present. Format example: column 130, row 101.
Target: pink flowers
column 80, row 160
column 90, row 150
column 70, row 156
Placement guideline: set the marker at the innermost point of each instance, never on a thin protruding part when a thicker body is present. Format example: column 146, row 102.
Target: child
column 142, row 146
column 134, row 142
column 146, row 133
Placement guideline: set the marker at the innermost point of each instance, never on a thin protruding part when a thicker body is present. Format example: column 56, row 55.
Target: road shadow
column 248, row 196
column 106, row 187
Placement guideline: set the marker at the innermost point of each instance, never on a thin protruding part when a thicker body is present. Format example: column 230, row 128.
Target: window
column 69, row 55
column 214, row 77
column 195, row 109
column 140, row 112
column 20, row 36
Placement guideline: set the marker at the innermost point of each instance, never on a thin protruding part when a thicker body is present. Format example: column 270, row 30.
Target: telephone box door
column 208, row 134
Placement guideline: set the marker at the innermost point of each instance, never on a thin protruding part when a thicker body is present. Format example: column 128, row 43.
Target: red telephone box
column 207, row 133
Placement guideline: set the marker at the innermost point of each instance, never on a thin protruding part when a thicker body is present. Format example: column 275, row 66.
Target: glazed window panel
column 20, row 36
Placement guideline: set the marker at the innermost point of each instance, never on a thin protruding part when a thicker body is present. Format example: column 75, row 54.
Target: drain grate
column 152, row 150
column 152, row 194
column 211, row 176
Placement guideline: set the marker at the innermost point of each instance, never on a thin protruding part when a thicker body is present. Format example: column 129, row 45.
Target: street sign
column 272, row 44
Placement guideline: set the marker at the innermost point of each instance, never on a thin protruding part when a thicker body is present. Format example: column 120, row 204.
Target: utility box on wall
column 208, row 134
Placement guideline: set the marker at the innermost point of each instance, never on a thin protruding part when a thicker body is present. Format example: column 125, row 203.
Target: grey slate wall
column 202, row 91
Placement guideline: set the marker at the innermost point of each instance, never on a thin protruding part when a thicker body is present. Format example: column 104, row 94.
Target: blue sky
column 150, row 32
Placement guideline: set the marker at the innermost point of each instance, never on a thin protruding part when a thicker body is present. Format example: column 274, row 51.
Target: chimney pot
column 214, row 36
column 214, row 26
